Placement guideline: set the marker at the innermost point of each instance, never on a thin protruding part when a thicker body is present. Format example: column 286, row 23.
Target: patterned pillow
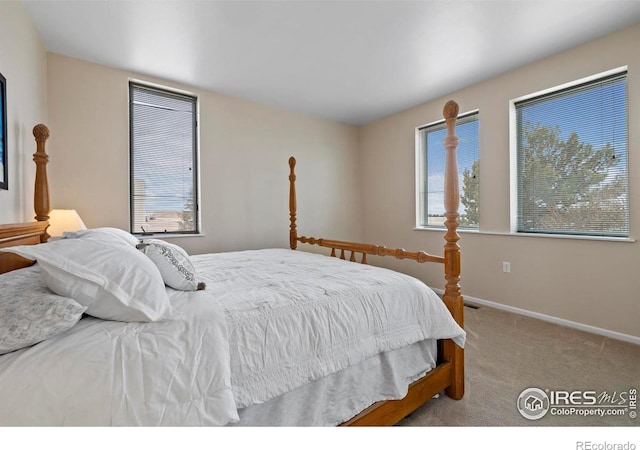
column 174, row 264
column 30, row 312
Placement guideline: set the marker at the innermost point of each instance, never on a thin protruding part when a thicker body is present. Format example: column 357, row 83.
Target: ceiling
column 350, row 61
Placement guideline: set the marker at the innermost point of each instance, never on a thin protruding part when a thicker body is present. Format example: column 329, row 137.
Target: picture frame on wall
column 4, row 169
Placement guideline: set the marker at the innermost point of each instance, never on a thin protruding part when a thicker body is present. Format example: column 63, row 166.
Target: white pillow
column 173, row 262
column 110, row 277
column 103, row 232
column 30, row 312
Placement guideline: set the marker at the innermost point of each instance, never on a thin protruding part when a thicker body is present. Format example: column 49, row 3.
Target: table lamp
column 61, row 220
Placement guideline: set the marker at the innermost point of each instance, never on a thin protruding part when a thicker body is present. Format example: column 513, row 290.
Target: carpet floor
column 508, row 353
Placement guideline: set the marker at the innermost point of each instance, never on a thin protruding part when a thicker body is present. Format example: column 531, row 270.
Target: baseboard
column 558, row 321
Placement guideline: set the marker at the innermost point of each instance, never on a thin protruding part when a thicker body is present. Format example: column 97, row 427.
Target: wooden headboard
column 29, row 233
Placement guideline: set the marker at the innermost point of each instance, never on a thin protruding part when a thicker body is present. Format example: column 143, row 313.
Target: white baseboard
column 558, row 321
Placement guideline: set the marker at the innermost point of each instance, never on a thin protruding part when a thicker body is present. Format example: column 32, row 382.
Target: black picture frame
column 4, row 168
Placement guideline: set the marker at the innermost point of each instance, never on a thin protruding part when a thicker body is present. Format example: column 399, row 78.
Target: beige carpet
column 507, row 353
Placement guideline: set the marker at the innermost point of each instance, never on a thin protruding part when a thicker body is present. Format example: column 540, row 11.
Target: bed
column 277, row 337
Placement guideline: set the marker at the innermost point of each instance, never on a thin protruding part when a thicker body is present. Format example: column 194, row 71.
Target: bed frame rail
column 449, row 374
column 368, row 249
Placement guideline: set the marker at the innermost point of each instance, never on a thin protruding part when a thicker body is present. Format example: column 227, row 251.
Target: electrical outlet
column 506, row 267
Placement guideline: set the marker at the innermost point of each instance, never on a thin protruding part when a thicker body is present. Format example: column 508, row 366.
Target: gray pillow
column 173, row 263
column 30, row 312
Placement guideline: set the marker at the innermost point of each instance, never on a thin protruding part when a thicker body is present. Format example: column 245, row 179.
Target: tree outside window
column 572, row 161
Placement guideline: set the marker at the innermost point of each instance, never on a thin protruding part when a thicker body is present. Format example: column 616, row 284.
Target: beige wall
column 595, row 283
column 23, row 62
column 244, row 148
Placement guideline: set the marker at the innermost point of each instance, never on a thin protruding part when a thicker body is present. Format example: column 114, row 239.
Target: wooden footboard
column 449, row 373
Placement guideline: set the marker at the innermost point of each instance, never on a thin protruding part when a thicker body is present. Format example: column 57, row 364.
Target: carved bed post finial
column 452, row 297
column 450, row 111
column 293, row 232
column 41, row 192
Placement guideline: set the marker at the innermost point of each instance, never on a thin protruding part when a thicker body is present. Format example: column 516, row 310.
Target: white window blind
column 572, row 160
column 430, row 174
column 163, row 135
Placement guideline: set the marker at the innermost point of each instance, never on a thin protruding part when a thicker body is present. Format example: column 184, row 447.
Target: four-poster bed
column 448, row 373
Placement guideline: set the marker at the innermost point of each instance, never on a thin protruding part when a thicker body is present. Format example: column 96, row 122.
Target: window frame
column 169, row 92
column 421, row 175
column 514, row 157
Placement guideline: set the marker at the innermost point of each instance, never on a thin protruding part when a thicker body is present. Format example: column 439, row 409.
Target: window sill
column 564, row 236
column 444, row 230
column 534, row 235
column 167, row 235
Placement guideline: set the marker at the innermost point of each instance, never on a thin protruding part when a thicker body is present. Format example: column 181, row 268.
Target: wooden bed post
column 448, row 375
column 293, row 232
column 452, row 297
column 29, row 233
column 41, row 192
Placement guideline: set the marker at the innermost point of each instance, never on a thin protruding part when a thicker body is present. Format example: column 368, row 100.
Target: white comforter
column 268, row 322
column 295, row 316
column 114, row 373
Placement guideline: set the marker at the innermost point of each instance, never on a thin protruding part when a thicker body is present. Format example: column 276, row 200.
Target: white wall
column 590, row 282
column 23, row 62
column 244, row 149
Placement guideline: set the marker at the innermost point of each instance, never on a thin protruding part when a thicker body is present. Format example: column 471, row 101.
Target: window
column 163, row 146
column 430, row 159
column 572, row 175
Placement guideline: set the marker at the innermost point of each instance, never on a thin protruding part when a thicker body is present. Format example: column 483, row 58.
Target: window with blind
column 163, row 146
column 430, row 172
column 572, row 171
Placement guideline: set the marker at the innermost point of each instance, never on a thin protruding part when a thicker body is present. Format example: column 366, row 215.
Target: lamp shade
column 61, row 220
